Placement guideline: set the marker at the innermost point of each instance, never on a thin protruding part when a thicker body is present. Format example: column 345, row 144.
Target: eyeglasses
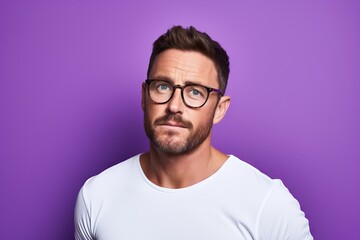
column 193, row 95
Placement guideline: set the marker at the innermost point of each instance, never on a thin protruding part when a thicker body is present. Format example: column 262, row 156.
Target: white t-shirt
column 237, row 202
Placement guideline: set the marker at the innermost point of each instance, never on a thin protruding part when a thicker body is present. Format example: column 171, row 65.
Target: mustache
column 174, row 118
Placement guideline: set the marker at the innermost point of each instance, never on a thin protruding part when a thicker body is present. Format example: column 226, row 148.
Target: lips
column 173, row 124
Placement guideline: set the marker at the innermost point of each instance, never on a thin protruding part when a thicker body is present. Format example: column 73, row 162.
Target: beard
column 168, row 141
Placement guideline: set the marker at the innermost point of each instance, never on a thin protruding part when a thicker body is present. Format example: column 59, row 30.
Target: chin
column 171, row 145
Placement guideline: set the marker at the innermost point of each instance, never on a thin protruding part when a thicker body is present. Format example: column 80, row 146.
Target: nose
column 176, row 104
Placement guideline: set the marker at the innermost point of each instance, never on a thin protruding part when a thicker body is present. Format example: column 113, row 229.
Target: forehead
column 184, row 66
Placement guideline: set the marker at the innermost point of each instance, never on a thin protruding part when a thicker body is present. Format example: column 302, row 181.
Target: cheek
column 199, row 118
column 208, row 113
column 154, row 111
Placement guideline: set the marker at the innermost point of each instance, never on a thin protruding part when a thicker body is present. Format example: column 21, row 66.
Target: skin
column 172, row 162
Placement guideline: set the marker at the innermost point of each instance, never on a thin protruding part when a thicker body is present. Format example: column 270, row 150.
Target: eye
column 195, row 92
column 161, row 86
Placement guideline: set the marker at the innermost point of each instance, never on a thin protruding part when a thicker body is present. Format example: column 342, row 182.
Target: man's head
column 183, row 96
column 190, row 39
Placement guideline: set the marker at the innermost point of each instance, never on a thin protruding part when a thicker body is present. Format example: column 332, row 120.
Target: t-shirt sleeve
column 82, row 218
column 280, row 216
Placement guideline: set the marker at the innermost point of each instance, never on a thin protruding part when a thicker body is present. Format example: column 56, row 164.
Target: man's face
column 173, row 127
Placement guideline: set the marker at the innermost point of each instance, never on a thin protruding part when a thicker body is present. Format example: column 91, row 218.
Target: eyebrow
column 162, row 77
column 165, row 78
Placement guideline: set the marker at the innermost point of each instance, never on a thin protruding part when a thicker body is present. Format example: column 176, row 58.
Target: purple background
column 70, row 81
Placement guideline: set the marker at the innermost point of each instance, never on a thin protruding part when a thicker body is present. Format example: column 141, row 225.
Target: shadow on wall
column 122, row 137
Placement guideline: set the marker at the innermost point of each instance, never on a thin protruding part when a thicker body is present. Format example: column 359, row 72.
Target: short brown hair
column 190, row 39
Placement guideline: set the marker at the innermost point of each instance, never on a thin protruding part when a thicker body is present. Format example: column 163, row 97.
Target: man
column 184, row 188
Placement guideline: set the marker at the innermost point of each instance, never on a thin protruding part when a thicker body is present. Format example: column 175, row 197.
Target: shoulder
column 278, row 213
column 94, row 196
column 247, row 176
column 280, row 216
column 273, row 190
column 112, row 177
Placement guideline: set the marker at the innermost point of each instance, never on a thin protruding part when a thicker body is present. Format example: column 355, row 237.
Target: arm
column 82, row 218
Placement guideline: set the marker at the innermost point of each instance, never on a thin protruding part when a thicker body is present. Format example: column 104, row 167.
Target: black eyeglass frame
column 209, row 90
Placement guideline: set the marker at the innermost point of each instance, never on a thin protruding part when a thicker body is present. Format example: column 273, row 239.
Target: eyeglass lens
column 193, row 95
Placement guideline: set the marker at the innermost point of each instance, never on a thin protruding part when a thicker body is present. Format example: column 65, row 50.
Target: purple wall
column 70, row 78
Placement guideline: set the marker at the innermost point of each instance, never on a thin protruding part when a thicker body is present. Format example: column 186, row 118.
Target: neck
column 178, row 171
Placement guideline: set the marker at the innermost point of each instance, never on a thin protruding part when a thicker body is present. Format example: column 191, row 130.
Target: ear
column 221, row 109
column 143, row 95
